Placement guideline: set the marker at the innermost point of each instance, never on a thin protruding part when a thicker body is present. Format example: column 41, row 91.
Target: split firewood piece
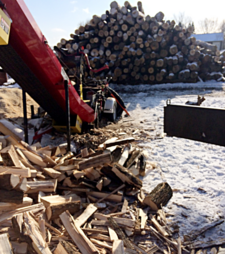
column 95, row 161
column 101, row 237
column 10, row 157
column 78, row 236
column 78, row 174
column 99, row 184
column 65, row 247
column 84, row 152
column 124, row 156
column 33, row 208
column 11, row 196
column 158, row 226
column 65, row 168
column 91, row 174
column 125, row 206
column 42, row 228
column 45, row 186
column 101, row 195
column 34, row 158
column 23, row 158
column 5, row 245
column 23, row 172
column 9, row 181
column 118, row 247
column 120, row 233
column 55, row 210
column 4, row 207
column 118, row 142
column 33, row 231
column 123, row 222
column 112, row 234
column 88, row 212
column 22, row 186
column 52, row 172
column 106, row 181
column 102, row 244
column 126, row 176
column 134, row 156
column 7, row 128
column 57, row 199
column 143, row 217
column 159, row 196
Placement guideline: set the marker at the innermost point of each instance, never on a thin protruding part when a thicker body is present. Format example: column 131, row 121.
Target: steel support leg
column 67, row 114
column 25, row 116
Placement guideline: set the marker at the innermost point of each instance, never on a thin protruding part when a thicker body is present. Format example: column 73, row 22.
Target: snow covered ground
column 194, row 170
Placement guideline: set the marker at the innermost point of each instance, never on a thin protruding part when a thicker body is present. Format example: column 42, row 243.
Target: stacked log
column 142, row 49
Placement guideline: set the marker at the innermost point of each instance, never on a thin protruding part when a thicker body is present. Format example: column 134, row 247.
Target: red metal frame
column 30, row 44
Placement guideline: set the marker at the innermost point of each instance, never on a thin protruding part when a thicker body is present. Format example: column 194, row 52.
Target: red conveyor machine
column 31, row 62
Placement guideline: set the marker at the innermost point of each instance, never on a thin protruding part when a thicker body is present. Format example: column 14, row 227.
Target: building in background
column 213, row 38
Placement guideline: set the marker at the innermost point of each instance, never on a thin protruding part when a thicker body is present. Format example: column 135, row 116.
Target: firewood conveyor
column 26, row 56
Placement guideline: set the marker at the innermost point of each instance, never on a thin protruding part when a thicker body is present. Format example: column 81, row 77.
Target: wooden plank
column 77, row 235
column 5, row 246
column 23, row 172
column 118, row 247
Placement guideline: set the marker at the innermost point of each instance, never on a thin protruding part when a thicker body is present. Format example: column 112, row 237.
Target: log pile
column 140, row 49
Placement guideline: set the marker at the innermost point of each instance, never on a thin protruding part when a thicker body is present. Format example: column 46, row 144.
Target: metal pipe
column 67, row 114
column 25, row 116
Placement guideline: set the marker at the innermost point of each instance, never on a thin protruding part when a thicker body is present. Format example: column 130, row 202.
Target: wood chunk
column 22, row 186
column 7, row 128
column 52, row 172
column 5, row 245
column 10, row 157
column 143, row 216
column 118, row 247
column 23, row 172
column 84, row 152
column 91, row 174
column 120, row 232
column 91, row 209
column 33, row 231
column 124, row 156
column 78, row 174
column 135, row 155
column 4, row 207
column 45, row 186
column 106, row 181
column 33, row 208
column 126, row 176
column 102, row 244
column 78, row 236
column 112, row 234
column 11, row 196
column 125, row 206
column 99, row 184
column 159, row 196
column 113, row 197
column 34, row 158
column 54, row 211
column 119, row 142
column 95, row 161
column 57, row 199
column 159, row 227
column 9, row 181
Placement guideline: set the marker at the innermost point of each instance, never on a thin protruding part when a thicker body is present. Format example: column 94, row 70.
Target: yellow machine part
column 74, row 129
column 5, row 24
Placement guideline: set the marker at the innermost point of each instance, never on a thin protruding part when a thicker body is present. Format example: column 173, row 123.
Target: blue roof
column 209, row 37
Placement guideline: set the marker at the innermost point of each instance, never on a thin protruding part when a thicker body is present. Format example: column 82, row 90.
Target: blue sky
column 59, row 18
